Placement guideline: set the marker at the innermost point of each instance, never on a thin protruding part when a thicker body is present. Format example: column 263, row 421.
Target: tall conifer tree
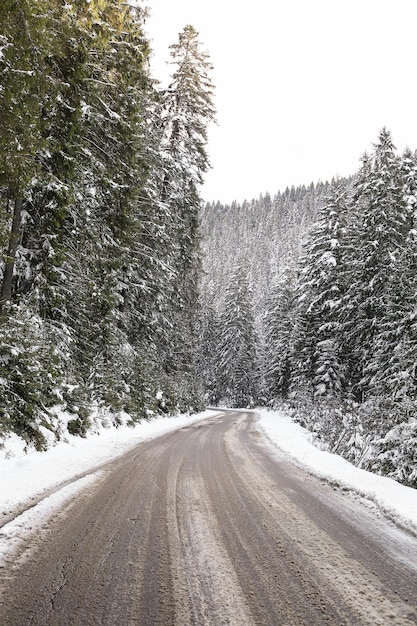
column 377, row 239
column 239, row 365
column 187, row 110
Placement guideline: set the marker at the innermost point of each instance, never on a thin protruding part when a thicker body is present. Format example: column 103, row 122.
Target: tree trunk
column 6, row 290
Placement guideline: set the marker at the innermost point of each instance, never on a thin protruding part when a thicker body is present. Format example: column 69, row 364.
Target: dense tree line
column 99, row 210
column 337, row 317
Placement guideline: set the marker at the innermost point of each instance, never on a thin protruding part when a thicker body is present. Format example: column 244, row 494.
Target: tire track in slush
column 275, row 578
column 355, row 587
column 207, row 587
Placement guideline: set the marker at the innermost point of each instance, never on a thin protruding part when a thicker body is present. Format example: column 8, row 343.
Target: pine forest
column 124, row 293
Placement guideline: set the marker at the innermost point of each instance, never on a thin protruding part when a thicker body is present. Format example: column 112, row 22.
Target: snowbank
column 26, row 475
column 399, row 503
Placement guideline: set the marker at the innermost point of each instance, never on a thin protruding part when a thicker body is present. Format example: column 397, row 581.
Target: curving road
column 204, row 526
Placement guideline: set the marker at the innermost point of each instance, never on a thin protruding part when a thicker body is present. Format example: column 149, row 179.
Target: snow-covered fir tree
column 239, row 374
column 377, row 235
column 279, row 327
column 208, row 354
column 318, row 343
column 186, row 111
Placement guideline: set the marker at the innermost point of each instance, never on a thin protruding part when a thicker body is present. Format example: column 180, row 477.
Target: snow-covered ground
column 35, row 485
column 41, row 482
column 397, row 502
column 24, row 476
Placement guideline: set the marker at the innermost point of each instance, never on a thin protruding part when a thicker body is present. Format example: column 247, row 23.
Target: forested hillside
column 318, row 287
column 99, row 200
column 246, row 249
column 264, row 235
column 122, row 293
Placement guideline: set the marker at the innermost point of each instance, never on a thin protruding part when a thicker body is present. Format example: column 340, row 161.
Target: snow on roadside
column 25, row 476
column 24, row 525
column 397, row 502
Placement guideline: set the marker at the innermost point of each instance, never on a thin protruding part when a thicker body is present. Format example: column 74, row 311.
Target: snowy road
column 204, row 526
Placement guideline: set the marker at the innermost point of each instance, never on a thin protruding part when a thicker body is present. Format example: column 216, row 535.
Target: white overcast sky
column 303, row 87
